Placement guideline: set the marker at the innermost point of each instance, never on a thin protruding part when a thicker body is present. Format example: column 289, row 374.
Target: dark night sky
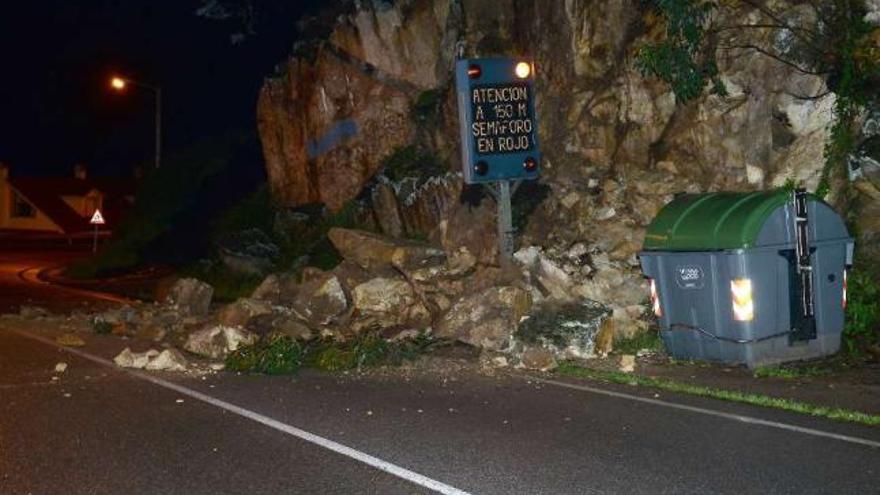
column 56, row 108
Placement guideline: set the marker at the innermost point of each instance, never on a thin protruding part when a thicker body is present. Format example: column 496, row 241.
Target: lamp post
column 120, row 83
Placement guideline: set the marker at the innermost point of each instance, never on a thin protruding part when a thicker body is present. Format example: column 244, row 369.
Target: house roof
column 46, row 195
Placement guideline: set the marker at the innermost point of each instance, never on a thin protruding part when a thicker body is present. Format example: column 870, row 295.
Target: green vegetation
column 862, row 311
column 175, row 204
column 834, row 42
column 649, row 340
column 529, row 196
column 412, row 162
column 283, row 355
column 427, row 106
column 791, row 372
column 254, row 211
column 278, row 356
column 228, row 285
column 101, row 327
column 682, row 60
column 834, row 413
column 306, row 243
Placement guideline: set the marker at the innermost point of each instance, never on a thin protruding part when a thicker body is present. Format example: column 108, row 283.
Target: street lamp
column 120, row 83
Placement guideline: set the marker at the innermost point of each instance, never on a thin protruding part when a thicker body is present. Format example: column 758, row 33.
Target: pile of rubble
column 532, row 313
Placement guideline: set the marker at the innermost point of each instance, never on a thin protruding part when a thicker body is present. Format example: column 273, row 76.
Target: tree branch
column 776, row 57
column 796, row 30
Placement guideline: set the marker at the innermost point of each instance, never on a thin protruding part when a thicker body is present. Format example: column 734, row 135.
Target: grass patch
column 278, row 356
column 837, row 414
column 862, row 310
column 101, row 327
column 283, row 355
column 649, row 340
column 790, row 373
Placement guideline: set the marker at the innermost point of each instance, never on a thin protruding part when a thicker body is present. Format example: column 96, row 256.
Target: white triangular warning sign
column 97, row 218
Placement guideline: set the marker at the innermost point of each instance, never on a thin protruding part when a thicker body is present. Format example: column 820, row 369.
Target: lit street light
column 120, row 83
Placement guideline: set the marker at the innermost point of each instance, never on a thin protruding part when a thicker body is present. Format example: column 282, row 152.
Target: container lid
column 714, row 221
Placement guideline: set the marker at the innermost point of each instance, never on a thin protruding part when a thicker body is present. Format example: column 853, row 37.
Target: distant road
column 20, row 265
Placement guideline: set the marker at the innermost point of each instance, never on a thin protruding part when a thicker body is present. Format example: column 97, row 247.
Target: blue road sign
column 498, row 124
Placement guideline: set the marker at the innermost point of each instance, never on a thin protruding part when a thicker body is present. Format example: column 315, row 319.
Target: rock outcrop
column 617, row 146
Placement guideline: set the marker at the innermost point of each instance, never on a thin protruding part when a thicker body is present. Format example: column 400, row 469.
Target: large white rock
column 137, row 360
column 321, row 300
column 217, row 342
column 383, row 296
column 168, row 360
column 487, row 319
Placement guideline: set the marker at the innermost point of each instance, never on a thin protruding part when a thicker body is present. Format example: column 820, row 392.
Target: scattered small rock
column 168, row 360
column 627, row 363
column 136, row 360
column 539, row 359
column 60, row 367
column 70, row 340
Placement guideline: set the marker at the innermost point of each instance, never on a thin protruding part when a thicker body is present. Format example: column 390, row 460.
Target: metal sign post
column 499, row 131
column 97, row 219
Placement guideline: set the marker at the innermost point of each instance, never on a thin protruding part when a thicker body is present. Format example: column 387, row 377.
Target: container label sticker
column 689, row 277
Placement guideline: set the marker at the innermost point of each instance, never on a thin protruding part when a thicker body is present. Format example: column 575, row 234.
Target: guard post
column 499, row 131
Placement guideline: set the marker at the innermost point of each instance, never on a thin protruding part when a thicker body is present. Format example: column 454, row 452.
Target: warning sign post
column 97, row 219
column 498, row 129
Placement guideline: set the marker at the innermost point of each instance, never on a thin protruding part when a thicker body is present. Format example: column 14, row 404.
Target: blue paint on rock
column 340, row 131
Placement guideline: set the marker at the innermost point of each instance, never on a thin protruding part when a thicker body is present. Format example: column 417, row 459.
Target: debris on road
column 217, row 342
column 137, row 360
column 60, row 367
column 153, row 360
column 70, row 340
column 168, row 360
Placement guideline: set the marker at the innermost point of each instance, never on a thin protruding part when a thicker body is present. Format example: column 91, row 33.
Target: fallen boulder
column 137, row 360
column 373, row 251
column 385, row 299
column 191, row 296
column 241, row 311
column 538, row 359
column 487, row 319
column 320, row 300
column 567, row 330
column 168, row 360
column 217, row 342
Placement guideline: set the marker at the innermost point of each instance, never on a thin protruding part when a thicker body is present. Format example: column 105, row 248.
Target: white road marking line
column 320, row 441
column 712, row 412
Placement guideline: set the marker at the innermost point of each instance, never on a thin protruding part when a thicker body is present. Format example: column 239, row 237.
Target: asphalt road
column 97, row 429
column 20, row 285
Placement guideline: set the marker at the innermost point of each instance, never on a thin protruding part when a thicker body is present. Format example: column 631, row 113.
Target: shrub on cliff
column 175, row 205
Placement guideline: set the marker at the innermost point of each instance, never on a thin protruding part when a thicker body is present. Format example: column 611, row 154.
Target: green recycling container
column 752, row 278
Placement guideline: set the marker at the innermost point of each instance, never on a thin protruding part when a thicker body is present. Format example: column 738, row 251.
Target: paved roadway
column 20, row 265
column 100, row 430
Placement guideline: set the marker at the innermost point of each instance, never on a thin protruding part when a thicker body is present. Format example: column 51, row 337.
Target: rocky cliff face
column 616, row 145
column 334, row 113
